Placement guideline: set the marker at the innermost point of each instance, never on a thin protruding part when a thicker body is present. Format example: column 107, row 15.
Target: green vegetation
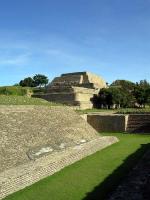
column 14, row 90
column 134, row 111
column 116, row 111
column 24, row 100
column 37, row 80
column 93, row 110
column 124, row 94
column 37, row 90
column 21, row 91
column 97, row 174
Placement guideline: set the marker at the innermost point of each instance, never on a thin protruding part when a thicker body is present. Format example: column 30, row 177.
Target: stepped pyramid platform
column 37, row 141
column 74, row 89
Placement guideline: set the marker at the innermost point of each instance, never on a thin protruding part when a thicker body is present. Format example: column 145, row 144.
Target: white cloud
column 15, row 60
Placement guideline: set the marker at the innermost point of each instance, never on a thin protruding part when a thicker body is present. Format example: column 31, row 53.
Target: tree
column 142, row 93
column 109, row 98
column 139, row 94
column 40, row 80
column 144, row 84
column 126, row 85
column 127, row 88
column 27, row 82
column 113, row 97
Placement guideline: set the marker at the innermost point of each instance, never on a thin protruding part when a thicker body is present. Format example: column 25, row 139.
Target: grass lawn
column 117, row 111
column 91, row 178
column 134, row 110
column 86, row 111
column 24, row 100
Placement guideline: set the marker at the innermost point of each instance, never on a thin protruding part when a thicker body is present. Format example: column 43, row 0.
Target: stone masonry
column 74, row 89
column 130, row 123
column 37, row 141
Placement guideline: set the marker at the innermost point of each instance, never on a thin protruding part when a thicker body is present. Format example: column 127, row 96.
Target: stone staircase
column 138, row 123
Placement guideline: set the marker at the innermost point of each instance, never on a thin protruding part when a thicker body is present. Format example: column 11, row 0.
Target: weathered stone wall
column 74, row 89
column 138, row 123
column 67, row 80
column 107, row 122
column 132, row 123
column 37, row 141
column 96, row 80
column 74, row 96
column 82, row 79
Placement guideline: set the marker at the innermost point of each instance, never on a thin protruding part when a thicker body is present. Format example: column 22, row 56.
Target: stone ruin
column 74, row 89
column 37, row 141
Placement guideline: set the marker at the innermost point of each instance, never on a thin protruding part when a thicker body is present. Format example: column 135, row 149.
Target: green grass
column 134, row 111
column 15, row 90
column 86, row 111
column 24, row 100
column 117, row 111
column 97, row 173
column 21, row 91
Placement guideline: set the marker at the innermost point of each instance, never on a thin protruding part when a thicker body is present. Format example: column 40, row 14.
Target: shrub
column 13, row 90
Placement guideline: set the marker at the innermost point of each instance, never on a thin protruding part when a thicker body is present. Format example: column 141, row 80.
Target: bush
column 13, row 90
column 39, row 90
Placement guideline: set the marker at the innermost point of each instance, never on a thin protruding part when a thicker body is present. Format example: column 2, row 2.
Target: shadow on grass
column 103, row 190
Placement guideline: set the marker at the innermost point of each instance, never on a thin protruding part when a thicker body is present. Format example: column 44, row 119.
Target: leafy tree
column 113, row 97
column 27, row 82
column 126, row 85
column 144, row 84
column 108, row 97
column 37, row 80
column 142, row 93
column 123, row 93
column 40, row 80
column 148, row 96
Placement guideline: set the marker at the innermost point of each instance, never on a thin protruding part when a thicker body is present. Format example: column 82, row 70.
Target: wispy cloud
column 15, row 60
column 41, row 55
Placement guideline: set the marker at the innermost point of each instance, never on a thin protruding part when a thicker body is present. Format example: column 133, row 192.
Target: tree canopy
column 40, row 80
column 123, row 93
column 37, row 81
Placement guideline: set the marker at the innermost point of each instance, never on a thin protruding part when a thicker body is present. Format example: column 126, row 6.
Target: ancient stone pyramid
column 37, row 141
column 74, row 89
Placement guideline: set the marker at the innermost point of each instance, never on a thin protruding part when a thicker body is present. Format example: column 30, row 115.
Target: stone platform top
column 80, row 79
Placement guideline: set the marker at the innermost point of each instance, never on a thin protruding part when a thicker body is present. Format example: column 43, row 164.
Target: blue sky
column 108, row 37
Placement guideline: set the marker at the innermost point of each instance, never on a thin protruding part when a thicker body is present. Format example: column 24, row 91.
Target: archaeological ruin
column 37, row 141
column 74, row 89
column 129, row 123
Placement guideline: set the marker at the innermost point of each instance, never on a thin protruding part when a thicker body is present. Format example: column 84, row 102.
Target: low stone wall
column 131, row 123
column 107, row 123
column 24, row 175
column 139, row 123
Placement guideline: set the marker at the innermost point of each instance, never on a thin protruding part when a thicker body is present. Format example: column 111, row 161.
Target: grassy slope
column 75, row 181
column 24, row 100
